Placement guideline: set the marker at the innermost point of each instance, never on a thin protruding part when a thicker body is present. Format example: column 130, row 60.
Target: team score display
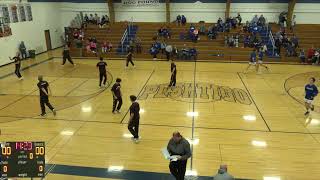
column 22, row 159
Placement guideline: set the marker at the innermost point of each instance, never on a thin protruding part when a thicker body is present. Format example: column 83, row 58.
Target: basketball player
column 17, row 62
column 66, row 55
column 45, row 91
column 102, row 72
column 117, row 96
column 311, row 91
column 173, row 78
column 253, row 61
column 260, row 61
column 129, row 59
column 133, row 125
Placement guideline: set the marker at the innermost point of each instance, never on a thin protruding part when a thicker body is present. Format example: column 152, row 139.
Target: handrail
column 272, row 41
column 124, row 37
column 126, row 34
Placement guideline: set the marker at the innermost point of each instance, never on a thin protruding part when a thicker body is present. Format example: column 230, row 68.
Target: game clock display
column 22, row 159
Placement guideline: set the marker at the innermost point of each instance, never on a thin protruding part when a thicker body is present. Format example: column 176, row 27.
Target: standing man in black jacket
column 117, row 96
column 179, row 147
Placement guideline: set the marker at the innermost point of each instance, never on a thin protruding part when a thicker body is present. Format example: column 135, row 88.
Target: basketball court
column 253, row 123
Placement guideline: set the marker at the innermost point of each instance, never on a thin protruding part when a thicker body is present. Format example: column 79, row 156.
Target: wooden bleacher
column 208, row 49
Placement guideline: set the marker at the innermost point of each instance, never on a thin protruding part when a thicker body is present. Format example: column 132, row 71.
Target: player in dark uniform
column 253, row 61
column 117, row 96
column 44, row 90
column 311, row 91
column 102, row 71
column 66, row 55
column 133, row 125
column 17, row 62
column 173, row 78
column 129, row 59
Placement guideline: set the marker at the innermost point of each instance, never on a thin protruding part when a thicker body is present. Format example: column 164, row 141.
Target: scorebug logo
column 199, row 92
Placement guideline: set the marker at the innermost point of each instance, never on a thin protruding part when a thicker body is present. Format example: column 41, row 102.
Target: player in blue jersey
column 253, row 61
column 260, row 61
column 311, row 91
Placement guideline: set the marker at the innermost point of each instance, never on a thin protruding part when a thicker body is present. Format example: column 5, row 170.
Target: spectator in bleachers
column 202, row 29
column 310, row 53
column 231, row 41
column 138, row 45
column 178, row 20
column 193, row 53
column 212, row 32
column 223, row 174
column 169, row 50
column 302, row 56
column 154, row 52
column 103, row 22
column 185, row 52
column 246, row 41
column 23, row 50
column 76, row 34
column 86, row 19
column 261, row 21
column 91, row 19
column 293, row 22
column 255, row 19
column 96, row 19
column 283, row 19
column 316, row 56
column 93, row 46
column 236, row 40
column 239, row 19
column 104, row 47
column 295, row 41
column 183, row 20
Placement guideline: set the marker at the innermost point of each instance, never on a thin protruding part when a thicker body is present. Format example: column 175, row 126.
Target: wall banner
column 140, row 3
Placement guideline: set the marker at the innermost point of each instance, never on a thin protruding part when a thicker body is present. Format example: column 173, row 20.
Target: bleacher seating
column 207, row 49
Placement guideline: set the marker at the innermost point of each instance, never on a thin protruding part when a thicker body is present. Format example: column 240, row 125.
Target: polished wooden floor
column 260, row 132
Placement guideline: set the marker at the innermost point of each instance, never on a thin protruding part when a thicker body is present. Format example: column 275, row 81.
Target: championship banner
column 140, row 3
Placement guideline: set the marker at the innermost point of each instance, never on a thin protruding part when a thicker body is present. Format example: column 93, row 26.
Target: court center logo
column 199, row 93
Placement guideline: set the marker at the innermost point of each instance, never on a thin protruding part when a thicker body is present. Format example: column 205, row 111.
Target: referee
column 102, row 72
column 180, row 147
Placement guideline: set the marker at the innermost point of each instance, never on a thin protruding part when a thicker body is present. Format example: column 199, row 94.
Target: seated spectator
column 202, row 29
column 223, row 174
column 183, row 20
column 212, row 33
column 195, row 35
column 93, row 46
column 96, row 19
column 294, row 40
column 315, row 58
column 185, row 52
column 246, row 41
column 76, row 34
column 236, row 40
column 109, row 46
column 86, row 18
column 104, row 48
column 91, row 19
column 169, row 50
column 231, row 41
column 293, row 22
column 178, row 20
column 302, row 56
column 234, row 23
column 81, row 35
column 163, row 47
column 193, row 53
column 310, row 53
column 138, row 45
column 160, row 30
column 239, row 19
column 182, row 35
column 103, row 22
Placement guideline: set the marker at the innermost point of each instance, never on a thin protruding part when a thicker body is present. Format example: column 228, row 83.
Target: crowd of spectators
column 181, row 20
column 312, row 56
column 289, row 44
column 172, row 52
column 164, row 32
column 95, row 19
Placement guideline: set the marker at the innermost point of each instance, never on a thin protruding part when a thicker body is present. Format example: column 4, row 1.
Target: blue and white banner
column 140, row 3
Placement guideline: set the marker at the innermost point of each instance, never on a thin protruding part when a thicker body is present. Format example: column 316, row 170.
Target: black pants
column 45, row 101
column 129, row 60
column 117, row 103
column 103, row 77
column 67, row 58
column 168, row 54
column 178, row 169
column 133, row 127
column 23, row 54
column 173, row 80
column 17, row 71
